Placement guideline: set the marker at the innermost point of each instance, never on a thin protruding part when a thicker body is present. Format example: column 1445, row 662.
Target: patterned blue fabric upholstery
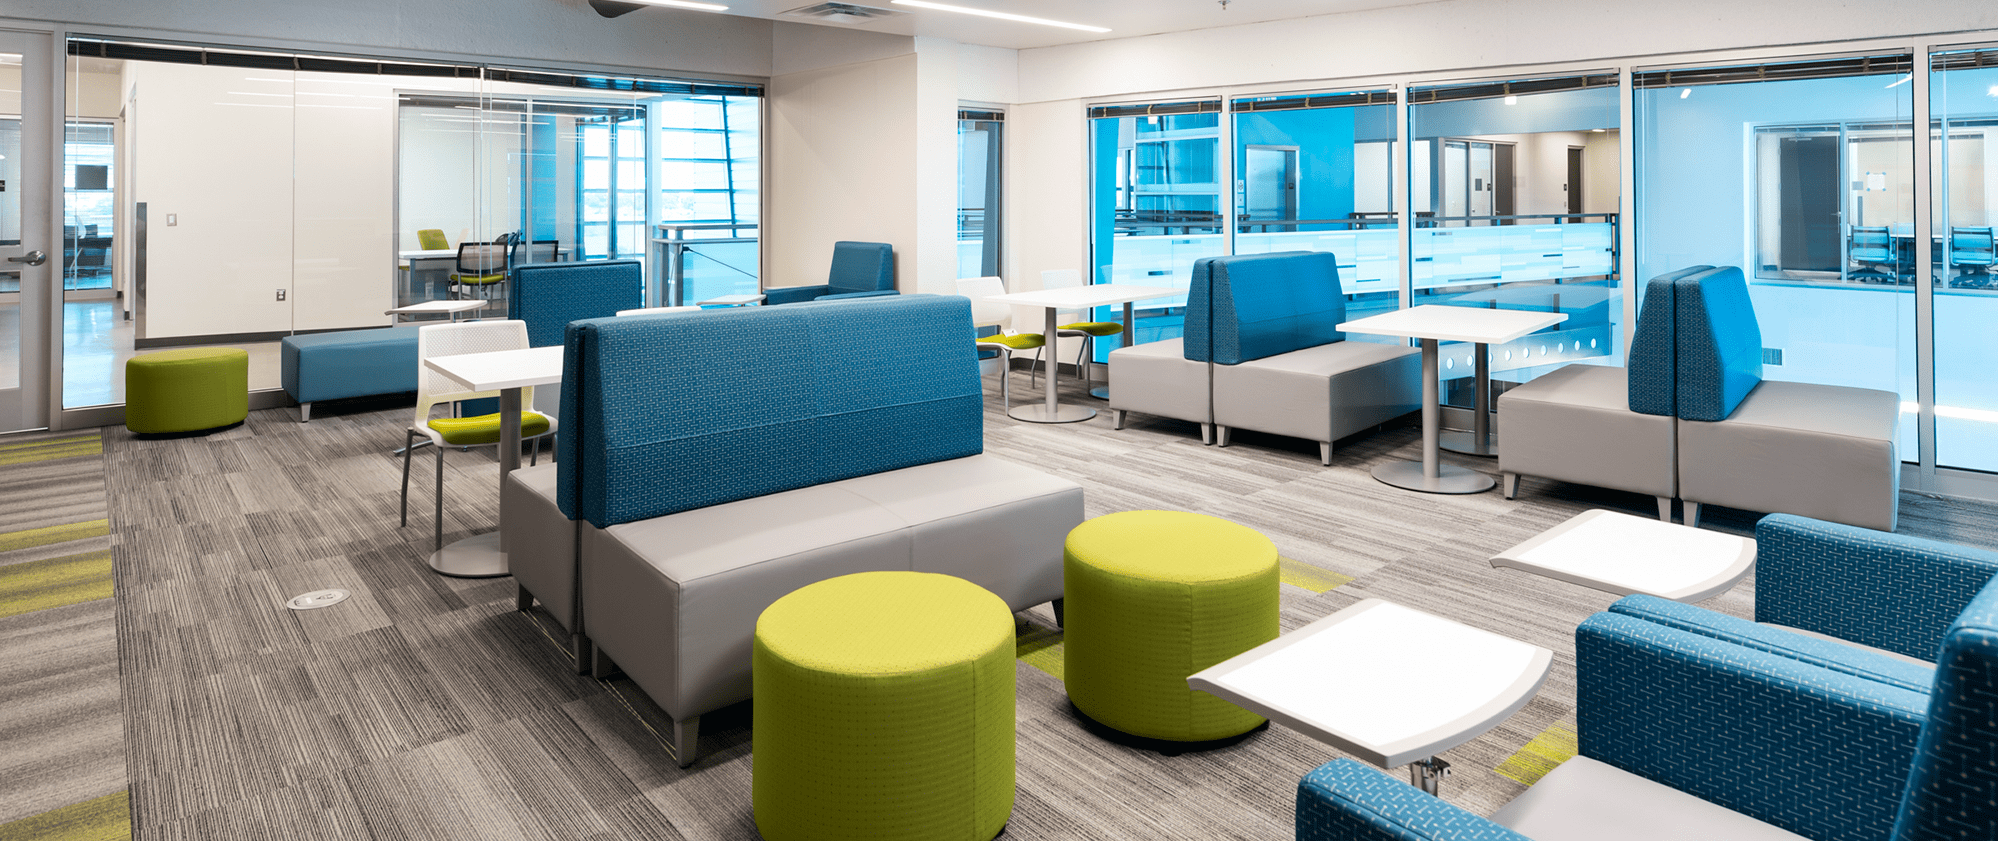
column 1823, row 653
column 1859, row 584
column 1720, row 344
column 1654, row 353
column 1344, row 800
column 857, row 267
column 1817, row 752
column 669, row 414
column 550, row 295
column 1953, row 789
column 1260, row 305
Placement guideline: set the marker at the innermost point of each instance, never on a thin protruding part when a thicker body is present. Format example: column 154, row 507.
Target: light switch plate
column 173, row 219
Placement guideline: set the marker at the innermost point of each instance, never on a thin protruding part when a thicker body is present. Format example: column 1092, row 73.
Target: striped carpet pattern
column 62, row 751
column 426, row 707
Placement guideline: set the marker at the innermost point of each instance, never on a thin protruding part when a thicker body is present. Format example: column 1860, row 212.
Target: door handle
column 32, row 258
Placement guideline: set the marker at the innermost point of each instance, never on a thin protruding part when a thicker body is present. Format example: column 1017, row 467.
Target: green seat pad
column 485, row 429
column 479, row 280
column 884, row 710
column 187, row 389
column 1096, row 328
column 1016, row 341
column 1152, row 597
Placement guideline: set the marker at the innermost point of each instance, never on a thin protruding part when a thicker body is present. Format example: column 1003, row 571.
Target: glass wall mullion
column 1925, row 286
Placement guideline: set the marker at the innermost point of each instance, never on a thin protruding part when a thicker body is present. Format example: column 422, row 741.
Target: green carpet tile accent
column 39, row 585
column 31, row 538
column 49, row 450
column 107, row 818
column 1314, row 578
column 1040, row 647
column 1553, row 746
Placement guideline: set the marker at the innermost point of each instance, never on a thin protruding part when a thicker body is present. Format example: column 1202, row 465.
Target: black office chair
column 1872, row 248
column 1970, row 251
column 481, row 266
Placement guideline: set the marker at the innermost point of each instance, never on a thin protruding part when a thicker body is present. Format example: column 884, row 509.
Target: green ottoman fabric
column 884, row 710
column 187, row 389
column 1152, row 597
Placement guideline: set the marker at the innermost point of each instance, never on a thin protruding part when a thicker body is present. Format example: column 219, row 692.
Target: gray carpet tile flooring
column 426, row 707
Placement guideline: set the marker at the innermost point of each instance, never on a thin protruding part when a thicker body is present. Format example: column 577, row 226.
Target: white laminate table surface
column 1455, row 324
column 436, row 307
column 502, row 369
column 1078, row 297
column 731, row 301
column 1383, row 682
column 429, row 254
column 1623, row 554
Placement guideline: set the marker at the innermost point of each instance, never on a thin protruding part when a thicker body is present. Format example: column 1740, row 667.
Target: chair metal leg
column 407, row 445
column 1005, row 380
column 439, row 519
column 535, row 459
column 1034, row 366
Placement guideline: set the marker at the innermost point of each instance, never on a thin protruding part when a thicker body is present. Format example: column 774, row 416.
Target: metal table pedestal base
column 1040, row 413
column 1457, row 441
column 1451, row 479
column 478, row 556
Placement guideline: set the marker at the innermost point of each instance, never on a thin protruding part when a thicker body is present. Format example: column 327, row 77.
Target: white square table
column 1432, row 323
column 452, row 307
column 1388, row 684
column 1623, row 554
column 1074, row 298
column 507, row 372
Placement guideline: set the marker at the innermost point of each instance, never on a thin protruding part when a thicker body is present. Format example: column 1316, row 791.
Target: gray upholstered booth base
column 1156, row 378
column 1320, row 393
column 673, row 600
column 540, row 547
column 1574, row 425
column 1820, row 451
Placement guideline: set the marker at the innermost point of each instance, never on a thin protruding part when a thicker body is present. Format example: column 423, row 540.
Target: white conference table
column 507, row 372
column 1432, row 323
column 1389, row 684
column 1074, row 298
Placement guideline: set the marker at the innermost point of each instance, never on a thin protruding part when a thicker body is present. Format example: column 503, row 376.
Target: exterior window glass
column 1155, row 204
column 1963, row 92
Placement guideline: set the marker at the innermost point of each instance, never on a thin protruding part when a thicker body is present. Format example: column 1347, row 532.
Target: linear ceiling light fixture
column 945, row 7
column 614, row 8
column 684, row 4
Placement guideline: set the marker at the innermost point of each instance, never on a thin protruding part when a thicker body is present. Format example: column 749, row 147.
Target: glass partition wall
column 232, row 197
column 1963, row 137
column 1801, row 173
column 1156, row 204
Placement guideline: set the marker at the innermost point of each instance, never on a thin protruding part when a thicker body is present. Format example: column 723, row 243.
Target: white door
column 31, row 255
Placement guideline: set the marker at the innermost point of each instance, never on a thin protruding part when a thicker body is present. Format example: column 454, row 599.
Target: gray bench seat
column 1321, row 393
column 1821, row 451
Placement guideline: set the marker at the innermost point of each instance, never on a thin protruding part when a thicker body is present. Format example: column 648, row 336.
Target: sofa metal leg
column 1118, row 416
column 1207, row 433
column 601, row 666
column 686, row 736
column 305, row 412
column 581, row 648
column 1665, row 509
column 1511, row 484
column 1692, row 514
column 1325, row 453
column 522, row 600
column 1061, row 613
column 1221, row 435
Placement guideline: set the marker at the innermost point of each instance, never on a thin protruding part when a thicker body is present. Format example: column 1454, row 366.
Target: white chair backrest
column 983, row 313
column 657, row 310
column 432, row 340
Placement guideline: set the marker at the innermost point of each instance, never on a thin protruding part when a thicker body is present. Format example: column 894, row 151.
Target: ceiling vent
column 841, row 13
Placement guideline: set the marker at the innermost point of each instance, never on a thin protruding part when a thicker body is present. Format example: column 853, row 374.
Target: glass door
column 33, row 259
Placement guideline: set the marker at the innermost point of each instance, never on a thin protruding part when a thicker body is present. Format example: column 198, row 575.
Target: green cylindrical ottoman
column 187, row 389
column 1155, row 596
column 884, row 710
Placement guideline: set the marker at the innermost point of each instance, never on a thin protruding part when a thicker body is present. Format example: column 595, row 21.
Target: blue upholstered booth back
column 550, row 295
column 1720, row 345
column 861, row 267
column 1654, row 352
column 686, row 410
column 1250, row 306
column 1951, row 791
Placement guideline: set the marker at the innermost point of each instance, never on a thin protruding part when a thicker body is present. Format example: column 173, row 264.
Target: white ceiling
column 1124, row 18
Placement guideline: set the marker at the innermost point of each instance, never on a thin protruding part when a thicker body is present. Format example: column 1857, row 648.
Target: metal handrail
column 674, row 244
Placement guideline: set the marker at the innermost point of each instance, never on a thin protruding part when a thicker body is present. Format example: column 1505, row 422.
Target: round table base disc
column 1038, row 413
column 1454, row 480
column 1466, row 443
column 478, row 556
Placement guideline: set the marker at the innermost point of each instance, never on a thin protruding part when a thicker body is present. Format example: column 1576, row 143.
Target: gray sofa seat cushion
column 1821, row 451
column 539, row 542
column 1574, row 424
column 1156, row 378
column 998, row 524
column 1320, row 393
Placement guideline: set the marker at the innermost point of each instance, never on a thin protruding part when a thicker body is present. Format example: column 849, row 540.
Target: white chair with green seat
column 984, row 314
column 1087, row 331
column 433, row 388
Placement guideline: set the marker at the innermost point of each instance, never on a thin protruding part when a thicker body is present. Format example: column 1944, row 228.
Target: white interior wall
column 842, row 145
column 343, row 174
column 937, row 86
column 1602, row 168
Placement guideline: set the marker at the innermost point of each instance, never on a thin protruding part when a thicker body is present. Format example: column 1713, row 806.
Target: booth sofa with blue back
column 859, row 270
column 1261, row 351
column 714, row 461
column 1874, row 722
column 1822, row 451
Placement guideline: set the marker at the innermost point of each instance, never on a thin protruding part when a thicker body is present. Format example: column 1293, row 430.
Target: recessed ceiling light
column 1599, row 130
column 1685, row 92
column 683, row 4
column 944, row 7
column 1511, row 100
